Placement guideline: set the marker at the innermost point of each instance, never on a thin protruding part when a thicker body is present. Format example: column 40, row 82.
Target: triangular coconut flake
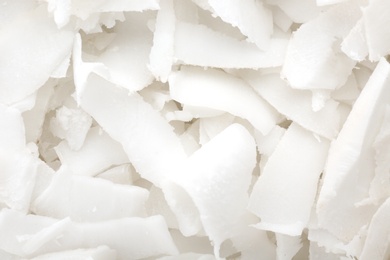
column 25, row 68
column 287, row 246
column 376, row 28
column 354, row 45
column 351, row 160
column 198, row 45
column 252, row 18
column 218, row 90
column 148, row 140
column 217, row 178
column 313, row 60
column 86, row 199
column 295, row 104
column 284, row 194
column 161, row 54
column 131, row 238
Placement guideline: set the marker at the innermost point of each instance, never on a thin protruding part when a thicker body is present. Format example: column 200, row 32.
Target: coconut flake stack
column 194, row 129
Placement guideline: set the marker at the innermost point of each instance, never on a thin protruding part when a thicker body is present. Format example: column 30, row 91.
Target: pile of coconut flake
column 194, row 129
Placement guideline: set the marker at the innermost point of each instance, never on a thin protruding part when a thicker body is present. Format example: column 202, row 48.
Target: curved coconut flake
column 252, row 18
column 161, row 54
column 218, row 90
column 295, row 104
column 351, row 160
column 377, row 241
column 217, row 178
column 98, row 253
column 198, row 45
column 284, row 193
column 148, row 140
column 377, row 33
column 127, row 56
column 98, row 153
column 84, row 199
column 25, row 68
column 131, row 238
column 313, row 60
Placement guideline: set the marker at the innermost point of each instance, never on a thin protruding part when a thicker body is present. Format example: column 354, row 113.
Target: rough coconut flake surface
column 194, row 129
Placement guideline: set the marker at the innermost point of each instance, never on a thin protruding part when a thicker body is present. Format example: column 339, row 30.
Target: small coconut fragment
column 295, row 104
column 219, row 90
column 98, row 153
column 355, row 45
column 285, row 192
column 86, row 199
column 191, row 48
column 287, row 246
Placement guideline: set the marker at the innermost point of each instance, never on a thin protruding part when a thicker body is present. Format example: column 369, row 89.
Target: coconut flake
column 284, row 188
column 218, row 90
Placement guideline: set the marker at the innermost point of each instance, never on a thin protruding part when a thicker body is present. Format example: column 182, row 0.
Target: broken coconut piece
column 24, row 68
column 217, row 178
column 198, row 45
column 86, row 199
column 147, row 138
column 219, row 90
column 284, row 193
column 295, row 104
column 131, row 238
column 98, row 153
column 351, row 160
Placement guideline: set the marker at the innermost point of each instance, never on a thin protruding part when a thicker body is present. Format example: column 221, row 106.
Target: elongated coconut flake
column 217, row 180
column 86, row 199
column 313, row 59
column 218, row 90
column 351, row 160
column 284, row 193
column 98, row 253
column 25, row 68
column 296, row 104
column 148, row 140
column 132, row 238
column 161, row 54
column 252, row 18
column 191, row 47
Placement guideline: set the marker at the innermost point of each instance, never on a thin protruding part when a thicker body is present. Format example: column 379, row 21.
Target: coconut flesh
column 194, row 129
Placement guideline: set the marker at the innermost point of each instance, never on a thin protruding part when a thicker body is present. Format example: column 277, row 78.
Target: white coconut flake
column 98, row 253
column 25, row 68
column 284, row 194
column 191, row 47
column 218, row 90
